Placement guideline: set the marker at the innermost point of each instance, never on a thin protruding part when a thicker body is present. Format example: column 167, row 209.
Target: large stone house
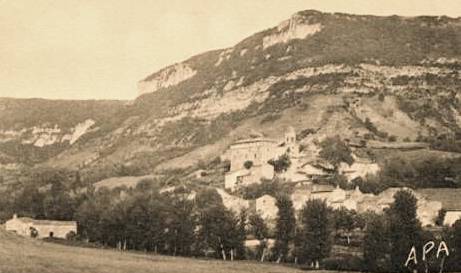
column 450, row 202
column 258, row 151
column 29, row 227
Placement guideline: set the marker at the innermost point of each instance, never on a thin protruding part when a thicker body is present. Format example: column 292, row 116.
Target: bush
column 335, row 151
column 226, row 165
column 304, row 133
column 372, row 128
column 248, row 164
column 271, row 117
column 271, row 187
column 281, row 164
column 71, row 236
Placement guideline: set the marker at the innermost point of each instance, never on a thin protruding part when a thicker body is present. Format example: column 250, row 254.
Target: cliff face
column 167, row 77
column 360, row 77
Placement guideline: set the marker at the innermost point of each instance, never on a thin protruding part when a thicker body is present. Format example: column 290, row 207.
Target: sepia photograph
column 204, row 136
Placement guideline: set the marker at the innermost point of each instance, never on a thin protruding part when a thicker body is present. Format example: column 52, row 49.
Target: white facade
column 24, row 226
column 259, row 151
column 245, row 177
column 256, row 150
column 451, row 217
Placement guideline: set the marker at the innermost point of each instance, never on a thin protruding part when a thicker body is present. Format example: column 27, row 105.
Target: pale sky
column 100, row 49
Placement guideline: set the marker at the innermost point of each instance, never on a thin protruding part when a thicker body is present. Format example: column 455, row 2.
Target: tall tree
column 284, row 227
column 335, row 151
column 57, row 203
column 29, row 202
column 218, row 227
column 404, row 228
column 180, row 222
column 453, row 238
column 345, row 221
column 241, row 235
column 315, row 234
column 259, row 229
column 375, row 243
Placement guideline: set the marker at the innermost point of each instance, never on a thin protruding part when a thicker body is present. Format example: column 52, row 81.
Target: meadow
column 25, row 255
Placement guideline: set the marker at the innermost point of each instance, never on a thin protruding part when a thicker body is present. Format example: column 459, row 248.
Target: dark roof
column 46, row 222
column 450, row 197
column 254, row 140
column 316, row 188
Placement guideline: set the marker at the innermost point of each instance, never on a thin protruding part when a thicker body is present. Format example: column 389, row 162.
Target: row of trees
column 180, row 222
column 389, row 239
column 173, row 223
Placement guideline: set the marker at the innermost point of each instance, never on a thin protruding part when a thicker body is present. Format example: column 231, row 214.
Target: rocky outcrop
column 167, row 77
column 294, row 28
column 42, row 135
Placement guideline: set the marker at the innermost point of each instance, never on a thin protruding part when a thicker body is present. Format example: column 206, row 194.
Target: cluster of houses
column 249, row 163
column 428, row 205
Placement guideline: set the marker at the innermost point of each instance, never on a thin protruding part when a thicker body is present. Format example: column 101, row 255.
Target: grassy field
column 25, row 255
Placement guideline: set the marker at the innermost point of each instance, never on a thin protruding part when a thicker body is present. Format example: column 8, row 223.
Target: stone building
column 428, row 205
column 451, row 216
column 257, row 151
column 245, row 177
column 26, row 226
column 449, row 199
column 427, row 208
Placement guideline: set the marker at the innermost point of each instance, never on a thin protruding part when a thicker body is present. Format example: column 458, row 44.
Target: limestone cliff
column 361, row 77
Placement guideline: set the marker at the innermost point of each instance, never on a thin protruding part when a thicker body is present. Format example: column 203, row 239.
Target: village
column 230, row 137
column 249, row 164
column 254, row 160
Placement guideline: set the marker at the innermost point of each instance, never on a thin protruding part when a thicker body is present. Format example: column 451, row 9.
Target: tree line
column 183, row 222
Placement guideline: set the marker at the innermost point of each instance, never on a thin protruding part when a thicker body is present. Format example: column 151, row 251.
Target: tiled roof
column 450, row 197
column 254, row 140
column 322, row 188
column 46, row 222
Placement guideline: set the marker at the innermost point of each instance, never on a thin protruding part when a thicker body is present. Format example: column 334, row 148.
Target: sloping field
column 24, row 255
column 128, row 181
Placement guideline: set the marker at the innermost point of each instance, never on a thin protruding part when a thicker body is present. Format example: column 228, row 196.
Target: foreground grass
column 21, row 255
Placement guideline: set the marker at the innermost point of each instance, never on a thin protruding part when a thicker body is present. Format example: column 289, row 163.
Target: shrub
column 440, row 217
column 226, row 165
column 71, row 236
column 271, row 117
column 271, row 187
column 304, row 133
column 281, row 164
column 335, row 151
column 248, row 164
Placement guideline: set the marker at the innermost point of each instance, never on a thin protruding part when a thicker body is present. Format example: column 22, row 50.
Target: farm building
column 26, row 226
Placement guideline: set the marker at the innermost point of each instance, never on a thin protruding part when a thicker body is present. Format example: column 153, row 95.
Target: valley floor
column 21, row 255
